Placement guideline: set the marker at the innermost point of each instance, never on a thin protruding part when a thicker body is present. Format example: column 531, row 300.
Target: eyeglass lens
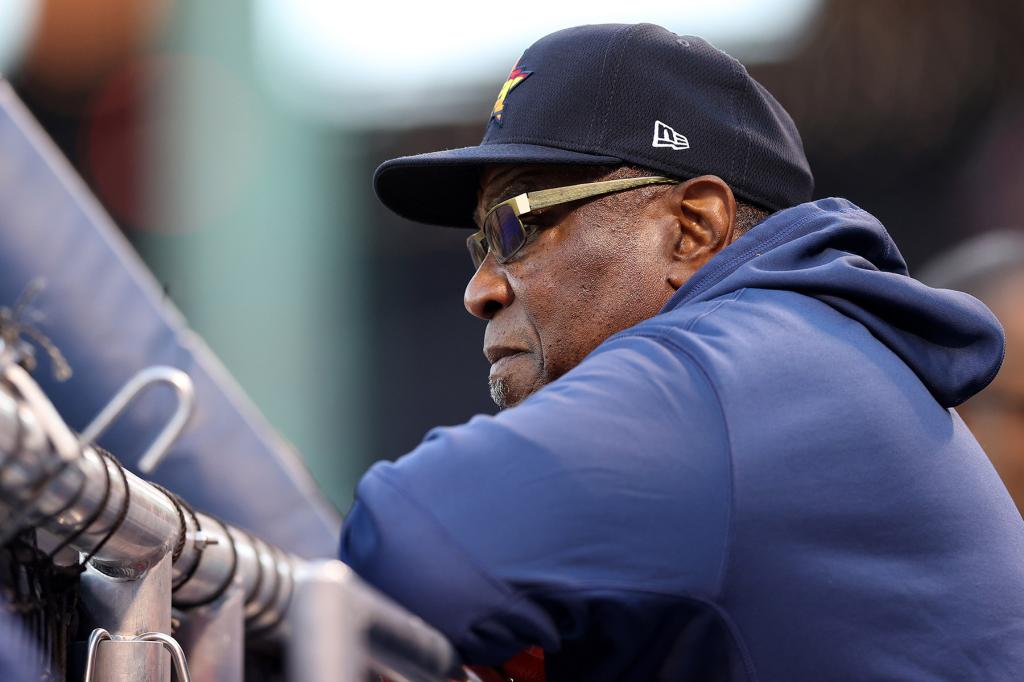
column 477, row 246
column 504, row 232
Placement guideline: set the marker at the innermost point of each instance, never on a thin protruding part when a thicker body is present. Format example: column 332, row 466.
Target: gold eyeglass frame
column 527, row 202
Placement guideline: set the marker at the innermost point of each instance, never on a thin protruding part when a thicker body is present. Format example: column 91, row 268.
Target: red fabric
column 526, row 666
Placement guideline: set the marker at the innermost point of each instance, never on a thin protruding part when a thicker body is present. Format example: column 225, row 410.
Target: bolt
column 202, row 540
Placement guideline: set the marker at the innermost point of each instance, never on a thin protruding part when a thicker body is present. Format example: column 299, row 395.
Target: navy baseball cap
column 613, row 94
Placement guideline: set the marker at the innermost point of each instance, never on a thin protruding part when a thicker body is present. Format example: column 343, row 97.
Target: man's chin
column 507, row 393
column 513, row 378
column 499, row 392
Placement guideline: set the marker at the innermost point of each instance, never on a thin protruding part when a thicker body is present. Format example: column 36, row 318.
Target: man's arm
column 610, row 486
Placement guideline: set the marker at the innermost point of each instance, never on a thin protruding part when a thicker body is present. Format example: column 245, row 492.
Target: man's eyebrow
column 514, row 189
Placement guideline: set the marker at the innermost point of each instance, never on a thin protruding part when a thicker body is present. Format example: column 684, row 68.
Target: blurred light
column 114, row 142
column 124, row 116
column 379, row 58
column 17, row 20
column 76, row 44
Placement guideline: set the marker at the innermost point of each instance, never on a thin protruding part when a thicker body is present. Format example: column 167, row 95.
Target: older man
column 729, row 452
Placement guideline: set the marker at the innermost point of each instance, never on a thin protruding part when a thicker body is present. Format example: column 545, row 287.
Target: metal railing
column 149, row 557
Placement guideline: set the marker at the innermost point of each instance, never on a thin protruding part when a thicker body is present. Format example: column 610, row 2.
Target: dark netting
column 264, row 663
column 43, row 597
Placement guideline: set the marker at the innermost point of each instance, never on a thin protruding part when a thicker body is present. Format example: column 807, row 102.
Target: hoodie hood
column 841, row 255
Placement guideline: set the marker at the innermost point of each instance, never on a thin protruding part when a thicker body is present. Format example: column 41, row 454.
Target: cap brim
column 440, row 188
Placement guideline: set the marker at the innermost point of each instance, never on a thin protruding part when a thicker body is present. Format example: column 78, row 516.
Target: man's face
column 996, row 415
column 596, row 267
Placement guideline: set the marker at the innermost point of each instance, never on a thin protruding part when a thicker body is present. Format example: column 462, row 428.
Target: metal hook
column 177, row 655
column 180, row 664
column 97, row 636
column 182, row 385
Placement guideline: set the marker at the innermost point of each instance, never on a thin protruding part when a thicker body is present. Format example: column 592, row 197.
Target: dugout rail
column 165, row 587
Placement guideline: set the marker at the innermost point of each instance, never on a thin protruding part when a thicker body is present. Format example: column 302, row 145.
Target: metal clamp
column 100, row 635
column 182, row 385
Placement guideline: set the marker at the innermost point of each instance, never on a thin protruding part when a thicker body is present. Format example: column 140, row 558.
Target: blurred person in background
column 727, row 451
column 991, row 268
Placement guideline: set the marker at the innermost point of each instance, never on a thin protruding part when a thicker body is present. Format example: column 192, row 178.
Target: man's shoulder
column 764, row 351
column 749, row 326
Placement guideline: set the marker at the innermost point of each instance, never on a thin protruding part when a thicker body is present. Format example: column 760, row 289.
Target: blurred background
column 234, row 142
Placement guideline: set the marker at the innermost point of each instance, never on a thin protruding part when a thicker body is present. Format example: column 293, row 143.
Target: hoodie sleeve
column 610, row 486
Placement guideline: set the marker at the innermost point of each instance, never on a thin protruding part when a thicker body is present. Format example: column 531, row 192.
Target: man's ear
column 705, row 211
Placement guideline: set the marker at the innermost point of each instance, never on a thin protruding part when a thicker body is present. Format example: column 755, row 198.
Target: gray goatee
column 499, row 392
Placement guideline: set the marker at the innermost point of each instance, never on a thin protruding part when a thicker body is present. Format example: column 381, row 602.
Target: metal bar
column 124, row 609
column 348, row 629
column 125, row 660
column 128, row 607
column 91, row 486
column 214, row 639
column 336, row 626
column 144, row 534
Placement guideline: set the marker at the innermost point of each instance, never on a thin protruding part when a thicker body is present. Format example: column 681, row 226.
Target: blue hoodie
column 765, row 481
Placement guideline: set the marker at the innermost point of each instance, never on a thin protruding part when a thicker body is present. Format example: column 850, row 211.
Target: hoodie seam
column 725, row 561
column 727, row 550
column 718, row 304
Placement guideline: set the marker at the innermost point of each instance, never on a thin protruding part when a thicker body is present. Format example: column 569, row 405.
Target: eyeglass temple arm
column 563, row 195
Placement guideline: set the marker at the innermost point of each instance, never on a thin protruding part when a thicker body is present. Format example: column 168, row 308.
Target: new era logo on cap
column 665, row 136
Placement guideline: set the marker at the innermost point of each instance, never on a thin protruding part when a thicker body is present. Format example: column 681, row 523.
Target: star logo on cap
column 517, row 76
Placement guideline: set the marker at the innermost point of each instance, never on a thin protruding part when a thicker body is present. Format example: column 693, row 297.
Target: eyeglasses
column 504, row 231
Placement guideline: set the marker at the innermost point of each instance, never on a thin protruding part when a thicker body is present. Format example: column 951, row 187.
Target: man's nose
column 488, row 291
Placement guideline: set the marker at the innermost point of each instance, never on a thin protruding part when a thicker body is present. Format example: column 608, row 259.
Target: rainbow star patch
column 518, row 75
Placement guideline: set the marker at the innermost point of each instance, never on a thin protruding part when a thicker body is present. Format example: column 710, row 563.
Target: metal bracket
column 177, row 655
column 100, row 635
column 176, row 379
